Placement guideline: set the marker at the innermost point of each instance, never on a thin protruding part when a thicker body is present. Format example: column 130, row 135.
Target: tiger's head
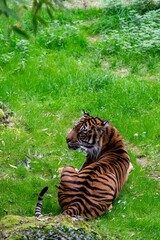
column 87, row 134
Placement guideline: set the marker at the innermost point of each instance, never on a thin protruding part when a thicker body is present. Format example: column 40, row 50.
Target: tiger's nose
column 68, row 139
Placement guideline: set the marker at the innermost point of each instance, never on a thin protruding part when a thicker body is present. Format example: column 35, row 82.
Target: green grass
column 85, row 59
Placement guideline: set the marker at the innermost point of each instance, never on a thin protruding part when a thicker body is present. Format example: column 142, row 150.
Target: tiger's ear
column 85, row 114
column 105, row 124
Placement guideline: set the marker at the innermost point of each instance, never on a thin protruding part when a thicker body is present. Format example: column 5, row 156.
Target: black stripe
column 70, row 172
column 94, row 209
column 113, row 178
column 39, row 205
column 111, row 145
column 85, row 190
column 83, row 204
column 44, row 190
column 85, row 183
column 119, row 151
column 111, row 135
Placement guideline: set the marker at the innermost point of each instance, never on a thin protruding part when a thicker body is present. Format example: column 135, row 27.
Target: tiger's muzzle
column 72, row 145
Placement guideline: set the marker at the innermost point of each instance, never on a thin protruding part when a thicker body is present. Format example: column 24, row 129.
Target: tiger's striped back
column 90, row 192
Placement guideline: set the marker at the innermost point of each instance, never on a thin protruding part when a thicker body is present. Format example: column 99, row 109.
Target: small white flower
column 136, row 135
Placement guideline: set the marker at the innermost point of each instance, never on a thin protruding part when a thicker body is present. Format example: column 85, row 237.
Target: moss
column 16, row 227
column 10, row 221
column 2, row 115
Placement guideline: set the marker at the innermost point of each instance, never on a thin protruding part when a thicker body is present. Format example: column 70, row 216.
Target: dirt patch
column 135, row 149
column 150, row 167
column 142, row 161
column 122, row 72
column 92, row 3
column 94, row 39
column 6, row 116
column 105, row 64
column 151, row 78
column 155, row 176
column 85, row 4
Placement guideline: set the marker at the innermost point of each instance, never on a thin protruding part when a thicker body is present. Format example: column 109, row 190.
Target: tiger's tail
column 39, row 203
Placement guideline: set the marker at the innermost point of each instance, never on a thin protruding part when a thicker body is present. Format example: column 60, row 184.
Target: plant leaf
column 34, row 24
column 49, row 12
column 20, row 31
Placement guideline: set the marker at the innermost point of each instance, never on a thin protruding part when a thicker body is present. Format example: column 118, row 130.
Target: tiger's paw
column 60, row 170
column 110, row 207
column 130, row 167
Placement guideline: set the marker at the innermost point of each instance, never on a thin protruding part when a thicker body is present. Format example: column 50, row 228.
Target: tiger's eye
column 82, row 134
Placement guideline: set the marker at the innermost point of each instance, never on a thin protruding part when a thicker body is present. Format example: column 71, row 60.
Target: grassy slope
column 81, row 62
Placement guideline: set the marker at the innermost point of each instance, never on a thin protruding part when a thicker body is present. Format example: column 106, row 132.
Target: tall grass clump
column 61, row 36
column 139, row 36
column 127, row 33
column 143, row 6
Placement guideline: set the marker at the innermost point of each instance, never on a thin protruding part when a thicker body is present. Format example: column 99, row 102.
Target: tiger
column 89, row 192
